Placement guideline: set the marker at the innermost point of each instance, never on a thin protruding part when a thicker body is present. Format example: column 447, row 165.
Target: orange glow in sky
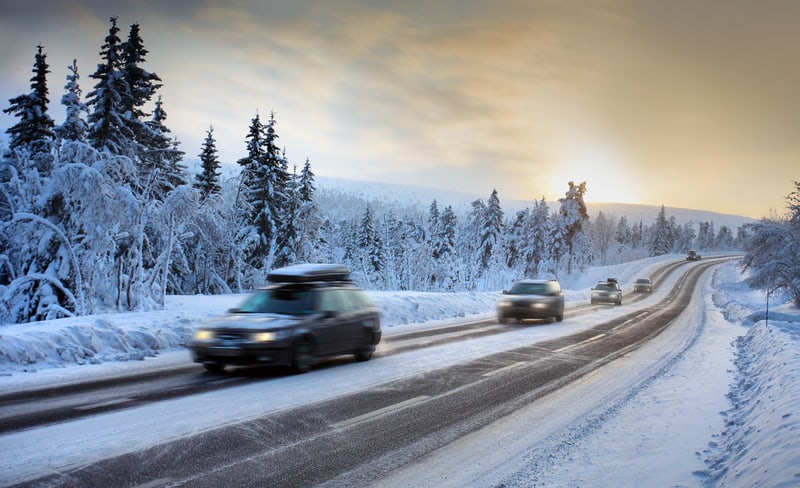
column 682, row 103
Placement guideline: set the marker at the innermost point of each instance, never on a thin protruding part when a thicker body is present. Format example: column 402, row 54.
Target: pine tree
column 74, row 127
column 573, row 214
column 34, row 131
column 309, row 219
column 263, row 191
column 108, row 128
column 207, row 181
column 491, row 230
column 141, row 84
column 162, row 167
column 661, row 239
column 539, row 250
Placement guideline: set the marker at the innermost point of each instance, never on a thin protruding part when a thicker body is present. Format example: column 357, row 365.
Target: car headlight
column 264, row 336
column 203, row 335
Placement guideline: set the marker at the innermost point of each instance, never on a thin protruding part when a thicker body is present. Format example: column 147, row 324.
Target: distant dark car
column 531, row 299
column 607, row 292
column 308, row 311
column 693, row 256
column 643, row 285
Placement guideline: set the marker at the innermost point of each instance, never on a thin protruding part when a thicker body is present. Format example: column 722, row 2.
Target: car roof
column 309, row 272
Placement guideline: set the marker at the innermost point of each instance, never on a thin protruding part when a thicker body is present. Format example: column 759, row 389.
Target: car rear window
column 529, row 289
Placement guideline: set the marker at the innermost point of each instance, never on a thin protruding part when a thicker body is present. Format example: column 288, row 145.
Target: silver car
column 643, row 285
column 531, row 299
column 607, row 292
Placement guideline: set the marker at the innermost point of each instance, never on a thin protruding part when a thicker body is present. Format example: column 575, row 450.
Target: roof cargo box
column 300, row 273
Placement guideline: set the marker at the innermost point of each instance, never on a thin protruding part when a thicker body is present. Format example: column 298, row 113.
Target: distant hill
column 419, row 196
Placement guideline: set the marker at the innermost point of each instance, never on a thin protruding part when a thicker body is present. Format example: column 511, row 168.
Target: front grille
column 231, row 336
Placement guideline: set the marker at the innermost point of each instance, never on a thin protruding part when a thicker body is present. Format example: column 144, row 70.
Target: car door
column 326, row 329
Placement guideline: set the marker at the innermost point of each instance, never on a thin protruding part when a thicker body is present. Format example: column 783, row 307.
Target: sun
column 605, row 170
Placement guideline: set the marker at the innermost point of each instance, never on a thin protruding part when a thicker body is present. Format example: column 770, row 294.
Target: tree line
column 100, row 212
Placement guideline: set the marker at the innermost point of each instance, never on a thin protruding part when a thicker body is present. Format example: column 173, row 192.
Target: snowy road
column 118, row 433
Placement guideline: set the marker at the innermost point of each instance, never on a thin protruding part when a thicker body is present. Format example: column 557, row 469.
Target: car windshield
column 285, row 300
column 605, row 287
column 529, row 289
column 643, row 280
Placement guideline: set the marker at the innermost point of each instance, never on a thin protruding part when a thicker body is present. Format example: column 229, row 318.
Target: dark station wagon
column 307, row 312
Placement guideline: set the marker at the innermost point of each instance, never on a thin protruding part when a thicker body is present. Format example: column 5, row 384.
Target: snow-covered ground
column 721, row 411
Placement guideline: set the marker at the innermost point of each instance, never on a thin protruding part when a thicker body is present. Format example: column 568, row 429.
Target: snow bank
column 760, row 445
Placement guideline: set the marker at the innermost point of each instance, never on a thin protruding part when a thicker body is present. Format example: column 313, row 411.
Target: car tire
column 214, row 367
column 302, row 357
column 593, row 302
column 501, row 319
column 559, row 318
column 367, row 348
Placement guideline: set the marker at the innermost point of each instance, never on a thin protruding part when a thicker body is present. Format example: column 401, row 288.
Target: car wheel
column 214, row 367
column 365, row 353
column 559, row 318
column 302, row 357
column 593, row 302
column 501, row 319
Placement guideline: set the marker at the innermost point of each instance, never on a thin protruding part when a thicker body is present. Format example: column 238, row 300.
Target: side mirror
column 505, row 292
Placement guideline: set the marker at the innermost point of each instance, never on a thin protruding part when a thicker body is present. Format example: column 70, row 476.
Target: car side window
column 348, row 300
column 328, row 302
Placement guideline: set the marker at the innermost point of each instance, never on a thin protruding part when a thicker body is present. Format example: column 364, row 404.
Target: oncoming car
column 643, row 285
column 692, row 256
column 607, row 292
column 531, row 299
column 307, row 312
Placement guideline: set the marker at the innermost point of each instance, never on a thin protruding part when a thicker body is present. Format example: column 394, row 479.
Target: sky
column 648, row 419
column 681, row 103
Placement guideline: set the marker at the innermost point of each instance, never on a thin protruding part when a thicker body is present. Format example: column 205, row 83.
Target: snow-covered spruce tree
column 286, row 253
column 108, row 127
column 686, row 238
column 661, row 239
column 263, row 195
column 162, row 169
column 515, row 241
column 310, row 221
column 572, row 216
column 74, row 127
column 772, row 251
column 724, row 239
column 706, row 236
column 207, row 181
column 489, row 247
column 538, row 249
column 434, row 242
column 33, row 132
column 446, row 266
column 368, row 258
column 469, row 268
